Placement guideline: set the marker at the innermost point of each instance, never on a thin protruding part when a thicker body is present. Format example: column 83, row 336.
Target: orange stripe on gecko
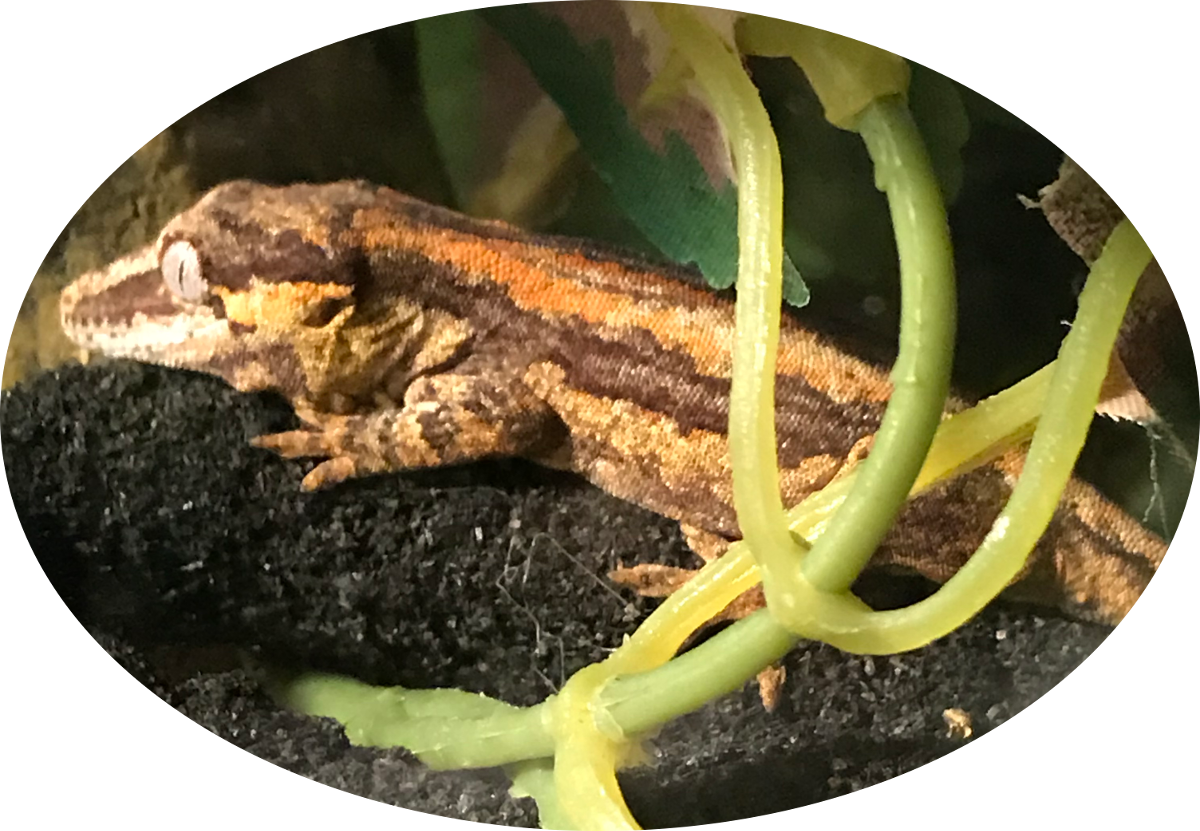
column 536, row 279
column 539, row 279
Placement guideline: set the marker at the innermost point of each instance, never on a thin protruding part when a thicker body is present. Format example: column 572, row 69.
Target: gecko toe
column 330, row 472
column 650, row 579
column 294, row 444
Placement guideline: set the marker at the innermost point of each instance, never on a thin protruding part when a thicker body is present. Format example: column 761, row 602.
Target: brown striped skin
column 407, row 335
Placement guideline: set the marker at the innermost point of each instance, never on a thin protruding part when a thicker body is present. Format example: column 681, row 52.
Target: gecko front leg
column 446, row 419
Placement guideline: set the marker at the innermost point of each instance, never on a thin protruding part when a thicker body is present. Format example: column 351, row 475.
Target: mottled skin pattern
column 407, row 335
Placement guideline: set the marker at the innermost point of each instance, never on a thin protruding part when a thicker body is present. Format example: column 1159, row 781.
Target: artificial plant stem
column 637, row 703
column 921, row 374
column 1078, row 374
column 444, row 728
column 752, row 447
column 587, row 748
column 720, row 665
column 972, row 437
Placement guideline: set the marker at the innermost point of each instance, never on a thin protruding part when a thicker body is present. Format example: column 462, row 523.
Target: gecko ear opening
column 323, row 313
column 181, row 271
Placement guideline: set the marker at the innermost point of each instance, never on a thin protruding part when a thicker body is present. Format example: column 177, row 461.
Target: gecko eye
column 181, row 272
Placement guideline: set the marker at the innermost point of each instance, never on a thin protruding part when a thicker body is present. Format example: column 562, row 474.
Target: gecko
column 406, row 335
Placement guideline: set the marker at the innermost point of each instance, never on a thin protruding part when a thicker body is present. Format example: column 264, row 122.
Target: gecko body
column 407, row 335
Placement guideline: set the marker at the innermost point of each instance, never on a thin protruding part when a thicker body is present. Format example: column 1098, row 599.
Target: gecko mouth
column 126, row 310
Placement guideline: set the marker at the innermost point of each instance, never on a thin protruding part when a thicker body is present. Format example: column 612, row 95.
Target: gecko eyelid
column 181, row 272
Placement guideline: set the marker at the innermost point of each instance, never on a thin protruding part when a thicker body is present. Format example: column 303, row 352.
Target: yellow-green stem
column 921, row 374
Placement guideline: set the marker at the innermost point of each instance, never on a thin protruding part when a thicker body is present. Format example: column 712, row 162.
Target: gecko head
column 254, row 283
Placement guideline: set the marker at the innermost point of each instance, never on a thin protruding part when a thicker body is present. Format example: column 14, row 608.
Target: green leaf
column 938, row 109
column 449, row 68
column 662, row 186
